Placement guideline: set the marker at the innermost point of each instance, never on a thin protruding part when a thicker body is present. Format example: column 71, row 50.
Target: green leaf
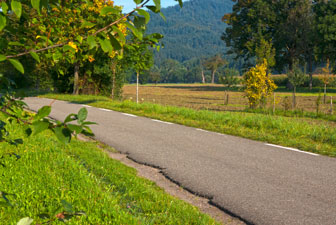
column 17, row 8
column 152, row 8
column 87, row 24
column 137, row 1
column 139, row 22
column 135, row 31
column 79, row 39
column 109, row 9
column 4, row 7
column 36, row 5
column 75, row 128
column 82, row 115
column 144, row 13
column 2, row 58
column 157, row 4
column 17, row 65
column 15, row 43
column 106, row 45
column 163, row 16
column 2, row 22
column 180, row 3
column 42, row 112
column 39, row 126
column 69, row 48
column 115, row 43
column 89, row 123
column 35, row 56
column 25, row 221
column 70, row 117
column 91, row 42
column 63, row 134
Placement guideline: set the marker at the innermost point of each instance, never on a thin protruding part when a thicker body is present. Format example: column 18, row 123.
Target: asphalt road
column 259, row 183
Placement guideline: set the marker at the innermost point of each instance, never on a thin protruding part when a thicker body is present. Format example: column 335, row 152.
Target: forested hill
column 193, row 31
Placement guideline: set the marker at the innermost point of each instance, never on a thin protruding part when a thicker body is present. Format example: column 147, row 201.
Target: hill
column 193, row 31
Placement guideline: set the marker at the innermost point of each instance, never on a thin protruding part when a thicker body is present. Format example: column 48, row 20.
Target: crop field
column 219, row 98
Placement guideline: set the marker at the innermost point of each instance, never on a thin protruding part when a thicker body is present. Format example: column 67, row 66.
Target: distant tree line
column 287, row 33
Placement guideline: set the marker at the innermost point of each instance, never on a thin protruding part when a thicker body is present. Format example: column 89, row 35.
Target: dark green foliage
column 191, row 32
column 230, row 77
column 287, row 25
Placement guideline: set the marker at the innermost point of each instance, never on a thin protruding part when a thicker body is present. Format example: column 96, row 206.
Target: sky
column 129, row 4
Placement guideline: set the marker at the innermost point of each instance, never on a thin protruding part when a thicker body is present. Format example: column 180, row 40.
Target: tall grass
column 104, row 189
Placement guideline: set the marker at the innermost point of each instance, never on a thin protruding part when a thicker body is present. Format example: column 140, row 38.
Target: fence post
column 331, row 105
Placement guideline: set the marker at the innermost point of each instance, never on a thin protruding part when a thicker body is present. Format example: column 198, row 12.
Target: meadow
column 78, row 183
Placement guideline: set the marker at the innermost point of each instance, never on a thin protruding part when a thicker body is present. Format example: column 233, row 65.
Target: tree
column 16, row 31
column 296, row 77
column 286, row 25
column 213, row 64
column 230, row 77
column 326, row 29
column 326, row 79
column 258, row 84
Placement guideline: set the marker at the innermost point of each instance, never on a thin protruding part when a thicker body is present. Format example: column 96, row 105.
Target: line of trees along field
column 288, row 33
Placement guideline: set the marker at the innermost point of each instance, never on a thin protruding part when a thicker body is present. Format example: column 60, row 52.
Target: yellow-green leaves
column 2, row 22
column 145, row 14
column 16, row 8
column 2, row 58
column 109, row 9
column 135, row 31
column 4, row 7
column 36, row 5
column 35, row 56
column 91, row 42
column 105, row 45
column 17, row 65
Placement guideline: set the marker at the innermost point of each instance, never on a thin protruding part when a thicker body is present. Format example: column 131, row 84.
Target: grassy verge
column 84, row 176
column 306, row 134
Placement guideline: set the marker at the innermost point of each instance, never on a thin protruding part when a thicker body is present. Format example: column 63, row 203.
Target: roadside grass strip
column 102, row 189
column 307, row 134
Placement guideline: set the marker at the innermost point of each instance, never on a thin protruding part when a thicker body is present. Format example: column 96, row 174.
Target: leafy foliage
column 258, row 84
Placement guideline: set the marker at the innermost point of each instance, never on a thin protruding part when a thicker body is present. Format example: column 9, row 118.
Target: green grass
column 83, row 175
column 307, row 134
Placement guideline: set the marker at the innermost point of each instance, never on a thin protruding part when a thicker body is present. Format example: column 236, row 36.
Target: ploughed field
column 219, row 98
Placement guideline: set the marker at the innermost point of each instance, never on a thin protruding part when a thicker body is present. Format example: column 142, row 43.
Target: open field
column 52, row 182
column 213, row 97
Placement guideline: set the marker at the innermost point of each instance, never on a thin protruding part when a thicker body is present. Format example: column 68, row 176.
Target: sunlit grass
column 107, row 191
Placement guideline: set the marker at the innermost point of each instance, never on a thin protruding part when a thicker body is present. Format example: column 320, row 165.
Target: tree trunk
column 76, row 79
column 310, row 71
column 213, row 77
column 137, row 89
column 294, row 97
column 203, row 77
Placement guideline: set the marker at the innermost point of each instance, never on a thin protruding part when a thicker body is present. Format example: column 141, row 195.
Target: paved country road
column 259, row 183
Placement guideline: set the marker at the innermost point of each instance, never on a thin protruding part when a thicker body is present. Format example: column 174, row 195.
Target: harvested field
column 214, row 97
